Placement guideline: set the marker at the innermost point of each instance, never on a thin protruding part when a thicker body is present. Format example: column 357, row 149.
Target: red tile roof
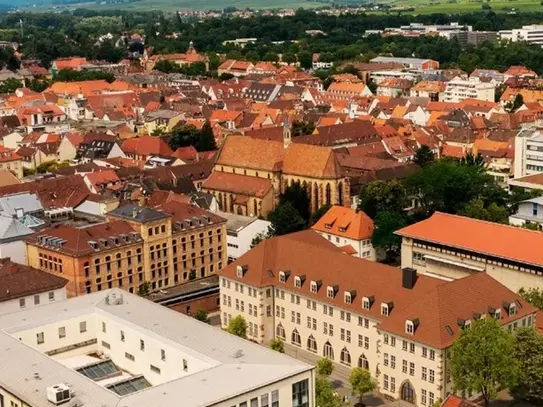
column 237, row 184
column 494, row 239
column 146, row 145
column 345, row 222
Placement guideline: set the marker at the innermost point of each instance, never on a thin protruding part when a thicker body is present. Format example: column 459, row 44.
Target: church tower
column 287, row 133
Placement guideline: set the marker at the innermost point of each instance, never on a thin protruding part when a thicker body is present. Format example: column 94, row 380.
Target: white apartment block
column 379, row 76
column 529, row 33
column 113, row 348
column 528, row 153
column 459, row 89
column 305, row 291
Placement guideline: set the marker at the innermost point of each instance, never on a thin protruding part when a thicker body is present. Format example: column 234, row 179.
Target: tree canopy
column 238, row 327
column 529, row 352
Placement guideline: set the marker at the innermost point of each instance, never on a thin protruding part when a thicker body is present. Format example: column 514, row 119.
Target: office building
column 459, row 89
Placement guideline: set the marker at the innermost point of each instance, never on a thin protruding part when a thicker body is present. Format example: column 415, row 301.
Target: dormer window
column 315, row 285
column 241, row 270
column 342, row 229
column 512, row 309
column 93, row 244
column 283, row 276
column 467, row 324
column 330, row 292
column 348, row 297
column 328, row 226
column 385, row 309
column 297, row 282
column 498, row 314
column 367, row 302
column 411, row 325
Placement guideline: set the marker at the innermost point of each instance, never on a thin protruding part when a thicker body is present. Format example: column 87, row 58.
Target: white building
column 113, row 348
column 459, row 89
column 529, row 211
column 528, row 153
column 240, row 232
column 24, row 287
column 379, row 76
column 529, row 33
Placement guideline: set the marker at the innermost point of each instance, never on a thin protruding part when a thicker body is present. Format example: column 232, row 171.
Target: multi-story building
column 450, row 246
column 529, row 33
column 113, row 348
column 528, row 153
column 409, row 63
column 349, row 229
column 25, row 287
column 529, row 212
column 163, row 247
column 459, row 89
column 397, row 324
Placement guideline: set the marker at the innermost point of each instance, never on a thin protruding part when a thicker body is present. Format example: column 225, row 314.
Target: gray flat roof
column 236, row 365
column 236, row 222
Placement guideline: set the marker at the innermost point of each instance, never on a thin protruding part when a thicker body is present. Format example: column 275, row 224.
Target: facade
column 409, row 63
column 114, row 348
column 348, row 229
column 459, row 89
column 137, row 247
column 528, row 153
column 528, row 212
column 529, row 33
column 450, row 247
column 249, row 174
column 397, row 324
column 24, row 287
column 240, row 232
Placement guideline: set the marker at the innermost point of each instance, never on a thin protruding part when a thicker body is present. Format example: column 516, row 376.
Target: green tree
column 10, row 85
column 325, row 367
column 382, row 196
column 286, row 219
column 270, row 56
column 277, row 345
column 515, row 104
column 144, row 289
column 424, row 156
column 306, row 59
column 483, row 359
column 493, row 213
column 296, row 194
column 238, row 327
column 324, row 393
column 533, row 295
column 206, row 138
column 529, row 352
column 319, row 213
column 201, row 315
column 289, row 58
column 301, row 128
column 259, row 237
column 360, row 381
column 386, row 223
column 183, row 135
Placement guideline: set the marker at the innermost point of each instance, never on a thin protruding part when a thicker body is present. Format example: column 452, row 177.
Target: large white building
column 116, row 349
column 529, row 33
column 396, row 323
column 459, row 89
column 528, row 153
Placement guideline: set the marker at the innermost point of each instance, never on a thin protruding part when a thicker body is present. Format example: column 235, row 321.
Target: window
column 363, row 362
column 129, row 356
column 162, row 354
column 185, row 365
column 423, row 397
column 385, row 339
column 345, row 357
column 348, row 298
column 300, row 394
column 328, row 351
column 424, row 352
column 83, row 326
column 385, row 382
column 314, row 287
column 264, row 400
column 154, row 369
column 142, row 345
column 392, row 341
column 51, row 296
column 392, row 384
column 412, row 347
column 122, row 336
column 280, row 332
column 384, row 310
column 393, row 361
column 366, row 303
column 385, row 359
column 40, row 338
column 404, row 366
column 62, row 332
column 36, row 300
column 330, row 292
column 432, row 375
column 104, row 328
column 254, row 402
column 424, row 375
column 411, row 369
column 106, row 345
column 404, row 345
column 275, row 398
column 295, row 338
column 432, row 354
column 311, row 344
column 409, row 327
column 430, row 398
column 22, row 302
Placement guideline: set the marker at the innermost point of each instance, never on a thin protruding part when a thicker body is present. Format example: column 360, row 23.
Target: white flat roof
column 231, row 372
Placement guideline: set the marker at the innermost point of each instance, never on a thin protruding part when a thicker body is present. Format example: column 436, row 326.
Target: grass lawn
column 465, row 6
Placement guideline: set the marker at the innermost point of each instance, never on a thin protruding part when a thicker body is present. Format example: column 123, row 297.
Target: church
column 250, row 174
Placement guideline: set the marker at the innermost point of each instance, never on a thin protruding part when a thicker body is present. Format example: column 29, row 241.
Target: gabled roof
column 248, row 152
column 311, row 161
column 345, row 222
column 238, row 184
column 146, row 145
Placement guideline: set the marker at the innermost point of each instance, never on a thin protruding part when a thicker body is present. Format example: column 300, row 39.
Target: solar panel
column 128, row 386
column 99, row 371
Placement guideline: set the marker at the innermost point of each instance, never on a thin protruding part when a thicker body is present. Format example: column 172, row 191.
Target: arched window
column 340, row 193
column 363, row 362
column 316, row 203
column 311, row 344
column 86, row 268
column 295, row 338
column 328, row 194
column 345, row 357
column 255, row 207
column 328, row 351
column 219, row 201
column 280, row 332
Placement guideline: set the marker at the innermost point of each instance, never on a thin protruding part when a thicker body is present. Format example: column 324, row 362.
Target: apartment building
column 450, row 247
column 529, row 33
column 528, row 153
column 113, row 348
column 397, row 324
column 459, row 89
column 161, row 248
column 349, row 229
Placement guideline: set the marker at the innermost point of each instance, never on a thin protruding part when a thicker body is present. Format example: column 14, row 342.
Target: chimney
column 409, row 278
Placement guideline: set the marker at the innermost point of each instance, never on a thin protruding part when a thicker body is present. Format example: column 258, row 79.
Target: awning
column 453, row 263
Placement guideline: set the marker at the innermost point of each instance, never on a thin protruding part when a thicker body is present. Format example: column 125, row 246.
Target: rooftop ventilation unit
column 59, row 394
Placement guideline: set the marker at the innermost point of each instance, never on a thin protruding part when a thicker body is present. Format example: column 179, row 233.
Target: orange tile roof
column 519, row 70
column 237, row 184
column 345, row 222
column 348, row 249
column 430, row 86
column 146, row 145
column 224, row 115
column 70, row 63
column 493, row 239
column 453, row 151
column 311, row 161
column 455, row 401
column 249, row 152
column 346, row 87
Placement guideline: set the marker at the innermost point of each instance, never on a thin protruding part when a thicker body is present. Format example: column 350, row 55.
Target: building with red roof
column 140, row 148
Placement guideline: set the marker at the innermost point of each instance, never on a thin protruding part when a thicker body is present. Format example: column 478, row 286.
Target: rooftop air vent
column 59, row 394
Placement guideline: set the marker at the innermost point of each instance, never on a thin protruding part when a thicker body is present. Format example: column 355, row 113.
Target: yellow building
column 250, row 174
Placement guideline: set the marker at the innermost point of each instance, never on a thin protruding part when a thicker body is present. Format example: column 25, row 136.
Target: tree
column 324, row 393
column 424, row 156
column 238, row 327
column 206, row 138
column 529, row 352
column 296, row 194
column 301, row 128
column 10, row 85
column 382, row 196
column 319, row 213
column 183, row 136
column 533, row 295
column 201, row 315
column 225, row 76
column 386, row 223
column 493, row 213
column 306, row 59
column 325, row 367
column 473, row 160
column 289, row 58
column 144, row 289
column 270, row 56
column 360, row 381
column 260, row 237
column 277, row 345
column 515, row 104
column 483, row 359
column 286, row 219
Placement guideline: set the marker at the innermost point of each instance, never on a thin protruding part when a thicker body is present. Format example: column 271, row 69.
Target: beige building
column 449, row 247
column 397, row 324
column 247, row 169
